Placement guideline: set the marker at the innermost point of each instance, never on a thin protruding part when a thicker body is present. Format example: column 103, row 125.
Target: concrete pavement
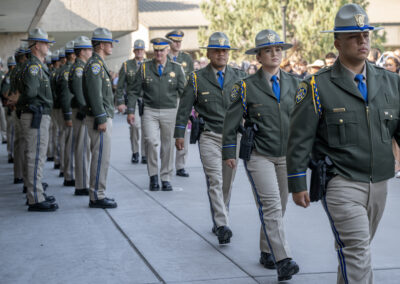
column 165, row 237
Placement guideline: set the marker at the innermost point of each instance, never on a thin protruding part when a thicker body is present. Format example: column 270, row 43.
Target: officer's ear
column 258, row 56
column 337, row 42
column 207, row 54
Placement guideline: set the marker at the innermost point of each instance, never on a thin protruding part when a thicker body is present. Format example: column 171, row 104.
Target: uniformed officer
column 127, row 77
column 55, row 59
column 176, row 55
column 160, row 82
column 3, row 121
column 208, row 91
column 98, row 95
column 4, row 92
column 349, row 113
column 83, row 50
column 65, row 97
column 265, row 100
column 35, row 103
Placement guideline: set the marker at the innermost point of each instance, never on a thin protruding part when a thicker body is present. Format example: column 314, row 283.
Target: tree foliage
column 241, row 20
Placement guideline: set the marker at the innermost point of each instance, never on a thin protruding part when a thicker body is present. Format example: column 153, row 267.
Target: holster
column 36, row 116
column 247, row 141
column 197, row 128
column 319, row 178
column 140, row 106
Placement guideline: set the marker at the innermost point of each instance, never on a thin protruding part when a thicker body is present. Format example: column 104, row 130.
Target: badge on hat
column 33, row 70
column 360, row 19
column 271, row 37
column 301, row 92
column 96, row 68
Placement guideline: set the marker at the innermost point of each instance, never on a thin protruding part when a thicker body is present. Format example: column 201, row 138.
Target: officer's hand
column 68, row 123
column 301, row 198
column 102, row 127
column 130, row 118
column 180, row 143
column 231, row 163
column 122, row 108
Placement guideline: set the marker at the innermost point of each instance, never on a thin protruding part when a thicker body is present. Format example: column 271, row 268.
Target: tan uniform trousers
column 10, row 133
column 3, row 123
column 69, row 147
column 134, row 131
column 354, row 210
column 61, row 138
column 100, row 148
column 81, row 152
column 268, row 178
column 50, row 147
column 55, row 139
column 19, row 148
column 219, row 177
column 35, row 155
column 181, row 155
column 158, row 130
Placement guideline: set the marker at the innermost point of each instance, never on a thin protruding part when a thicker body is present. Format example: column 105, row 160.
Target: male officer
column 266, row 99
column 176, row 55
column 98, row 95
column 3, row 122
column 349, row 113
column 35, row 103
column 208, row 91
column 127, row 78
column 55, row 59
column 4, row 92
column 83, row 50
column 161, row 83
column 65, row 97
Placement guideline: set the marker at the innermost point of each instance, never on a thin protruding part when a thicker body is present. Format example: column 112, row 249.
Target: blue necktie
column 160, row 67
column 220, row 79
column 174, row 58
column 276, row 88
column 362, row 87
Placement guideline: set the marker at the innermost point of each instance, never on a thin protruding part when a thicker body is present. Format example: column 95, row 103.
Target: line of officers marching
column 345, row 116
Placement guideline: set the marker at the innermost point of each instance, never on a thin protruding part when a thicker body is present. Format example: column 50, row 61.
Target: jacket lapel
column 262, row 84
column 373, row 82
column 210, row 76
column 228, row 76
column 340, row 79
column 284, row 83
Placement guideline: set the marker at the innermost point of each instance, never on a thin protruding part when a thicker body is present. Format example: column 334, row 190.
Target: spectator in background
column 374, row 54
column 203, row 62
column 300, row 68
column 245, row 65
column 252, row 69
column 315, row 67
column 330, row 58
column 285, row 66
column 397, row 52
column 196, row 65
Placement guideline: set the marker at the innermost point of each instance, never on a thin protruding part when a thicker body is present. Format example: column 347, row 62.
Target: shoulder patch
column 33, row 70
column 235, row 93
column 95, row 68
column 301, row 92
column 79, row 72
column 66, row 75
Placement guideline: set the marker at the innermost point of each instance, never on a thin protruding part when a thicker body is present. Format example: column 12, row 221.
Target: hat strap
column 349, row 28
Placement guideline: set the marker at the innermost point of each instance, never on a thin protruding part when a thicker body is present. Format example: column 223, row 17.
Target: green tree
column 241, row 20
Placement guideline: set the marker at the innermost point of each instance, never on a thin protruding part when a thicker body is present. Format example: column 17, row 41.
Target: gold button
column 258, row 114
column 341, row 120
column 391, row 116
column 205, row 100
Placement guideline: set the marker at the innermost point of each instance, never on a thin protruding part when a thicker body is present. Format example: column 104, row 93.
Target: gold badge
column 221, row 41
column 271, row 37
column 235, row 93
column 184, row 64
column 301, row 92
column 360, row 18
column 172, row 74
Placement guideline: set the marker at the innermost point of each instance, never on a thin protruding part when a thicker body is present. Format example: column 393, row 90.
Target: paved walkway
column 165, row 237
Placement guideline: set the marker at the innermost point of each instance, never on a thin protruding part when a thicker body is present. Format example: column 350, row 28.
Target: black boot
column 144, row 160
column 83, row 191
column 103, row 203
column 69, row 182
column 18, row 180
column 154, row 186
column 166, row 186
column 135, row 158
column 224, row 235
column 286, row 268
column 44, row 206
column 267, row 260
column 182, row 173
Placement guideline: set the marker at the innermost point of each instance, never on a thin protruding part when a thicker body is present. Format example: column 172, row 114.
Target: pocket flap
column 338, row 118
column 388, row 114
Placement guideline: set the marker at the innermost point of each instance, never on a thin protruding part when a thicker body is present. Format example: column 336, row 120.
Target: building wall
column 9, row 43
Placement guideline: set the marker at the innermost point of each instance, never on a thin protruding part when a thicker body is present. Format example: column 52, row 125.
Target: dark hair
column 330, row 55
column 335, row 35
column 77, row 52
column 95, row 44
column 375, row 53
column 68, row 56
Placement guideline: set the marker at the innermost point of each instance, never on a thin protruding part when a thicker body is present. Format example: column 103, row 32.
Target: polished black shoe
column 61, row 175
column 56, row 166
column 49, row 198
column 267, row 260
column 154, row 186
column 135, row 158
column 224, row 235
column 83, row 191
column 182, row 173
column 24, row 189
column 286, row 268
column 18, row 180
column 144, row 160
column 4, row 142
column 103, row 203
column 69, row 182
column 50, row 159
column 166, row 186
column 10, row 160
column 45, row 185
column 44, row 206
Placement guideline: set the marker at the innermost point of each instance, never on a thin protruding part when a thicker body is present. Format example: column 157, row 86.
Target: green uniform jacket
column 210, row 101
column 126, row 78
column 158, row 92
column 36, row 88
column 185, row 60
column 53, row 82
column 262, row 108
column 75, row 84
column 356, row 136
column 97, row 89
column 64, row 93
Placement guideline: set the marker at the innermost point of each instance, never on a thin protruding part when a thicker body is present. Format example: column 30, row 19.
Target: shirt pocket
column 342, row 129
column 388, row 121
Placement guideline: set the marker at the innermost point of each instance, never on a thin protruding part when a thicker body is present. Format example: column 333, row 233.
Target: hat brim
column 354, row 31
column 230, row 48
column 39, row 39
column 104, row 39
column 285, row 46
